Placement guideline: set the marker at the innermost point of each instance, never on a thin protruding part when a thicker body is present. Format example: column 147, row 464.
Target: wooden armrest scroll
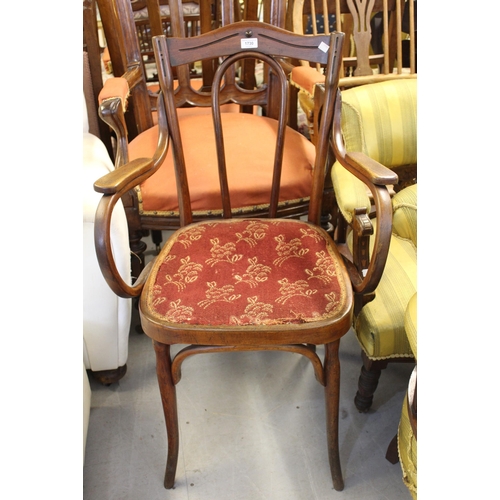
column 111, row 113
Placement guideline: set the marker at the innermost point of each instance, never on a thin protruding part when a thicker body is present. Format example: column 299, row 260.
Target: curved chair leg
column 169, row 402
column 368, row 382
column 332, row 393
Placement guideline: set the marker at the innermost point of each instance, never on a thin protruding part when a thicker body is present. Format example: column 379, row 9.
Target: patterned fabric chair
column 378, row 127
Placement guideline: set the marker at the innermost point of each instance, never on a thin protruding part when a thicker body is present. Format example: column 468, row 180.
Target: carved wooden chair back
column 232, row 283
column 377, row 47
column 145, row 32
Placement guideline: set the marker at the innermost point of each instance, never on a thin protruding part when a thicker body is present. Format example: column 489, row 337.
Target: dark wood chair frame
column 297, row 338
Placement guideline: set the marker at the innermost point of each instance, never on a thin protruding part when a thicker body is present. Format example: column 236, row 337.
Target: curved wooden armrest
column 373, row 171
column 113, row 186
column 377, row 178
column 125, row 178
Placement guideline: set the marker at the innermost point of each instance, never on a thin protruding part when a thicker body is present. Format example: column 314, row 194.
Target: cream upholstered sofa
column 106, row 317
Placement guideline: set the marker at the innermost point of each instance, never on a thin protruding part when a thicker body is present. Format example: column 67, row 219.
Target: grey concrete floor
column 252, row 427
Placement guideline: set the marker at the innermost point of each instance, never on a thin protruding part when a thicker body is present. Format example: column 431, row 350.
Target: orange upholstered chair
column 126, row 105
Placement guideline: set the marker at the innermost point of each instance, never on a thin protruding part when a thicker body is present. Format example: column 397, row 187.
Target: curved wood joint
column 307, row 350
column 111, row 112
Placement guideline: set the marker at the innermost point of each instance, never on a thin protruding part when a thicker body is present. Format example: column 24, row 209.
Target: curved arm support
column 377, row 178
column 113, row 186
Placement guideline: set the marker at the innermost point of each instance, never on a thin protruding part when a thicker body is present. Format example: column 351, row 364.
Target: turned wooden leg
column 368, row 382
column 169, row 402
column 332, row 393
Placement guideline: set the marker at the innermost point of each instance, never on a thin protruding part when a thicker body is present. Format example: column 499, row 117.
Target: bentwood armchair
column 231, row 283
column 152, row 205
column 378, row 235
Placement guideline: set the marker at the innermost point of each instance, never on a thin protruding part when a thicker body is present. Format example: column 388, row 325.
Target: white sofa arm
column 106, row 317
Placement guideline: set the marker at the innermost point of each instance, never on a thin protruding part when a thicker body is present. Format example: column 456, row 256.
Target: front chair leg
column 332, row 393
column 169, row 402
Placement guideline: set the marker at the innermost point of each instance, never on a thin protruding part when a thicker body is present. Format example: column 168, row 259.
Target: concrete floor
column 252, row 427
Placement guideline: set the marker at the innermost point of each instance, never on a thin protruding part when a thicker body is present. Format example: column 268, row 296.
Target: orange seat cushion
column 306, row 77
column 247, row 272
column 249, row 141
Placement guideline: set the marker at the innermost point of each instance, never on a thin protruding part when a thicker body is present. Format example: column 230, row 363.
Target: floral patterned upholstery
column 247, row 272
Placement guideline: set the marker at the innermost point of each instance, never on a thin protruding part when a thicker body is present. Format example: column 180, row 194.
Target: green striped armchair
column 375, row 218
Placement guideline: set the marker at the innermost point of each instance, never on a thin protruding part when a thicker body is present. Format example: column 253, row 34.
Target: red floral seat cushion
column 246, row 272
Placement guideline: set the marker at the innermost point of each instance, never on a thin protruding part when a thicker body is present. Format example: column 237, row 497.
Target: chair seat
column 291, row 275
column 250, row 141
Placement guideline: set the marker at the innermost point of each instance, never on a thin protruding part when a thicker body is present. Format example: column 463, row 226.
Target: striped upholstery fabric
column 380, row 120
column 407, row 442
column 411, row 323
column 407, row 450
column 380, row 326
